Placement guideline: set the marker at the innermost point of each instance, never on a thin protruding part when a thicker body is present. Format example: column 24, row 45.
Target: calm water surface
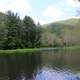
column 42, row 65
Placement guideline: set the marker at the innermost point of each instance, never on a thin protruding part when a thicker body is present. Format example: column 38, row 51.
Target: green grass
column 32, row 50
column 19, row 50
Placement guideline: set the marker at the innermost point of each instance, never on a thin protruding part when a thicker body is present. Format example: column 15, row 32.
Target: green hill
column 60, row 33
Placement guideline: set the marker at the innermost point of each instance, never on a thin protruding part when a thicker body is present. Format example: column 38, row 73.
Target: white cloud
column 53, row 12
column 74, row 3
column 20, row 6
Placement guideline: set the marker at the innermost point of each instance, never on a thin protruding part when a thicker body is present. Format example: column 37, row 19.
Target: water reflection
column 27, row 66
column 16, row 66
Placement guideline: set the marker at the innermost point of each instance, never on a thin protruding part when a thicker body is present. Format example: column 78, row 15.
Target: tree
column 13, row 31
column 17, row 33
column 79, row 0
column 38, row 35
column 31, row 32
column 2, row 30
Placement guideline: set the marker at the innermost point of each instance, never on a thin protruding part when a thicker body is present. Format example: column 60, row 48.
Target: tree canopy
column 19, row 33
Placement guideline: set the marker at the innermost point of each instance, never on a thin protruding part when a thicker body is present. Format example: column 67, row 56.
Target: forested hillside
column 62, row 33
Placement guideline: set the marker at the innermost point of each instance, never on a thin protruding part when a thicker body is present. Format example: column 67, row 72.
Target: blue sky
column 43, row 11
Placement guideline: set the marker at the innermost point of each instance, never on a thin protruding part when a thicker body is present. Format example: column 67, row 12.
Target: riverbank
column 39, row 49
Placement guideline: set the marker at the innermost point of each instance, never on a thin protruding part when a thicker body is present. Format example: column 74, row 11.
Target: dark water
column 42, row 65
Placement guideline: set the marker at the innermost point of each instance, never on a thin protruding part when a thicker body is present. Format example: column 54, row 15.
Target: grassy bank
column 20, row 50
column 39, row 49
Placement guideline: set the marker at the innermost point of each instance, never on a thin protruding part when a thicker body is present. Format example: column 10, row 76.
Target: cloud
column 53, row 12
column 74, row 3
column 20, row 6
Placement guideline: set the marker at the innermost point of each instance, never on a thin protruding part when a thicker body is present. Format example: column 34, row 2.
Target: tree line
column 19, row 33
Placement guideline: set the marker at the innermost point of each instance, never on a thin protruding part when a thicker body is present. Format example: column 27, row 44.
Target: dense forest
column 24, row 33
column 16, row 33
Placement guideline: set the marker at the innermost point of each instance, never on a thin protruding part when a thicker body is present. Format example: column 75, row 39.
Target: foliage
column 19, row 33
column 13, row 31
column 32, row 32
column 62, row 33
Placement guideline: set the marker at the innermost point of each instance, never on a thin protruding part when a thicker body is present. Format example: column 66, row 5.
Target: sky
column 43, row 11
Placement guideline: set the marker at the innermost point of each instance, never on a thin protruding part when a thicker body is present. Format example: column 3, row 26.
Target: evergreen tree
column 31, row 32
column 13, row 31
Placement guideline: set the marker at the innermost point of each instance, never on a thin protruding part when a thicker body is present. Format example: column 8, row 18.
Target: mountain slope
column 66, row 32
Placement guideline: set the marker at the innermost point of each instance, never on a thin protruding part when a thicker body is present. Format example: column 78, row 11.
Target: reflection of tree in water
column 59, row 60
column 20, row 65
column 53, row 58
column 11, row 62
column 3, row 67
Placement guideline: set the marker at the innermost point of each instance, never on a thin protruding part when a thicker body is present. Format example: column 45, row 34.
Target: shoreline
column 39, row 49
